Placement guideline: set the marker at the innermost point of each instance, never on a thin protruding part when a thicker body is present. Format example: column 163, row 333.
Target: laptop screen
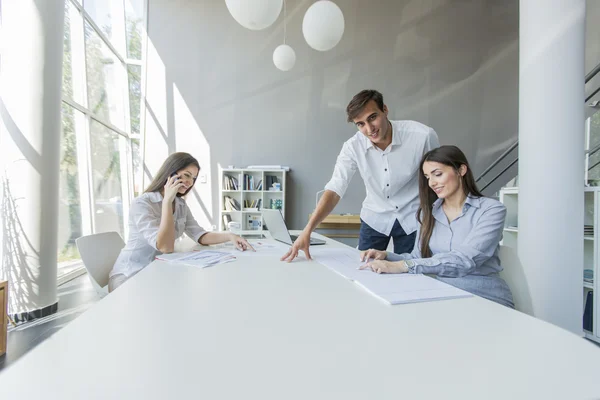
column 276, row 225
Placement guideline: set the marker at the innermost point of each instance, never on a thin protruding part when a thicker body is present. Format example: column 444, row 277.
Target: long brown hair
column 453, row 157
column 172, row 164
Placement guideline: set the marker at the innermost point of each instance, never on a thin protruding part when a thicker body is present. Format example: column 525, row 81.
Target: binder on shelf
column 588, row 313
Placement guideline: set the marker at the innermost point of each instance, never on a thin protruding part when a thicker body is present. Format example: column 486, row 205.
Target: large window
column 69, row 227
column 100, row 164
column 107, row 148
column 105, row 80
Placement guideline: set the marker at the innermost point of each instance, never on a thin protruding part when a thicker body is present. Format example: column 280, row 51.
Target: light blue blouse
column 465, row 251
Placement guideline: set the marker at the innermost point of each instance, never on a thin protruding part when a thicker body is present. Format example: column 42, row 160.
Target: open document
column 261, row 247
column 201, row 259
column 391, row 288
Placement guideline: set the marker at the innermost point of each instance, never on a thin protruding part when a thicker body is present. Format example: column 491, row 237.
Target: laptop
column 278, row 229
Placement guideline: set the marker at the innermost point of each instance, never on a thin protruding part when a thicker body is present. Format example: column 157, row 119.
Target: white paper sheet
column 262, row 247
column 391, row 288
column 201, row 259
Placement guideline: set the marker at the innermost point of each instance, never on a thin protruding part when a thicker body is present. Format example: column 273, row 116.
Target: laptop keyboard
column 311, row 240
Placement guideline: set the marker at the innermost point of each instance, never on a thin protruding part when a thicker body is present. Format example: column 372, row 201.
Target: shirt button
column 396, row 206
column 389, row 197
column 388, row 184
column 386, row 170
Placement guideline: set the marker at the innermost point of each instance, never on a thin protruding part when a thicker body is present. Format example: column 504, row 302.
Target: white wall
column 213, row 90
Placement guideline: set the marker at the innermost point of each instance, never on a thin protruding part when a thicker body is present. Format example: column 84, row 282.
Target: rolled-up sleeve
column 479, row 246
column 147, row 221
column 344, row 170
column 192, row 228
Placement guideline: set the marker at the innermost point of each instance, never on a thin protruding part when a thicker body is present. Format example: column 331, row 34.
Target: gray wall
column 213, row 90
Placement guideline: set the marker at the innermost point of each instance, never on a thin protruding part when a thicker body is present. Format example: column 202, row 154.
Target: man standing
column 387, row 154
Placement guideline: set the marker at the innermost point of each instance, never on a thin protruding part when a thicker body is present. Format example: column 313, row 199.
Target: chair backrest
column 514, row 275
column 99, row 253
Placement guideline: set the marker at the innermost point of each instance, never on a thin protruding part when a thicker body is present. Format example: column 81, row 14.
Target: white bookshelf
column 245, row 194
column 510, row 198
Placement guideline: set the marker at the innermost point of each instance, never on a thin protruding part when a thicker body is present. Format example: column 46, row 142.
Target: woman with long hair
column 459, row 230
column 160, row 215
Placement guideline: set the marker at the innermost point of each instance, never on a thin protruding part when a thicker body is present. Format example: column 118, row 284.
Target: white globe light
column 284, row 57
column 323, row 25
column 255, row 14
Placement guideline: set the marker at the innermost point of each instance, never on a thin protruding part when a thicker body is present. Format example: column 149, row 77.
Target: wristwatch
column 410, row 264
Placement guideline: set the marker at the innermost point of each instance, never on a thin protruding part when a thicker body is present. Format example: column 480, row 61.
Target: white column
column 30, row 85
column 551, row 157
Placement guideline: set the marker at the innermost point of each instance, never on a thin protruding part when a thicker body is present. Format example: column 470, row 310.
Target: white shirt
column 390, row 175
column 144, row 221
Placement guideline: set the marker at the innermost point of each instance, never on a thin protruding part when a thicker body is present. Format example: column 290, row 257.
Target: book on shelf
column 226, row 220
column 249, row 183
column 231, row 204
column 253, row 203
column 230, row 183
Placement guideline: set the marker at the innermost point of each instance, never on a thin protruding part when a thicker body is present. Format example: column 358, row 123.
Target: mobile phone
column 173, row 174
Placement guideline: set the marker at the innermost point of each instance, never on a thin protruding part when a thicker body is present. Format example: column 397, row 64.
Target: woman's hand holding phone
column 172, row 187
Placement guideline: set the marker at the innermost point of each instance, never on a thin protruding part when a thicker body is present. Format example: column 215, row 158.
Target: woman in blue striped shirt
column 459, row 230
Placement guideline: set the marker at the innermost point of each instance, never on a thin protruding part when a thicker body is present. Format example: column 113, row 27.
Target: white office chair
column 514, row 275
column 99, row 253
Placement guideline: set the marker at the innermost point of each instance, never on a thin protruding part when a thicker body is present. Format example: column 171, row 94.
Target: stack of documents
column 261, row 247
column 391, row 288
column 200, row 259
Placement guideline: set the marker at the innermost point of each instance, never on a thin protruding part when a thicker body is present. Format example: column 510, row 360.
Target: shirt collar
column 396, row 141
column 471, row 200
column 156, row 197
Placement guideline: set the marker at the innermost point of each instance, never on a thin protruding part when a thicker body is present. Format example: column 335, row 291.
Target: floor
column 74, row 297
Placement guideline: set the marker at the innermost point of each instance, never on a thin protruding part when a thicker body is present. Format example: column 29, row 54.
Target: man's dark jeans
column 369, row 238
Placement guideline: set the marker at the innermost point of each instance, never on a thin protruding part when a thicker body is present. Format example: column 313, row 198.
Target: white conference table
column 258, row 328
